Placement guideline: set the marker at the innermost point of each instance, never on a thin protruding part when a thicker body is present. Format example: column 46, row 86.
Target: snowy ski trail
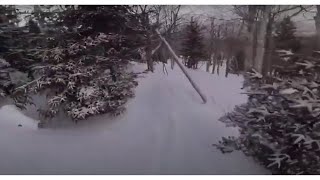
column 165, row 130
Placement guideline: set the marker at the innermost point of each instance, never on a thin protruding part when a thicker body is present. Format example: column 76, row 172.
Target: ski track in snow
column 165, row 130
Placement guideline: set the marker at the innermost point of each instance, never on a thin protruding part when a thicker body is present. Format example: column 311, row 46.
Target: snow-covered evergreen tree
column 83, row 74
column 13, row 55
column 280, row 123
column 192, row 44
column 285, row 35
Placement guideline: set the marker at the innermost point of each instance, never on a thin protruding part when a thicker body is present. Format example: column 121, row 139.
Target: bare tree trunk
column 218, row 67
column 149, row 53
column 208, row 65
column 172, row 63
column 227, row 67
column 222, row 58
column 250, row 38
column 317, row 22
column 212, row 36
column 148, row 48
column 255, row 42
column 261, row 39
column 269, row 47
column 182, row 68
column 213, row 64
column 236, row 65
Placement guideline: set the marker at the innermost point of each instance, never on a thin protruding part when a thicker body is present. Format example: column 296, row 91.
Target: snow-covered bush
column 17, row 54
column 280, row 124
column 84, row 77
column 79, row 60
column 4, row 77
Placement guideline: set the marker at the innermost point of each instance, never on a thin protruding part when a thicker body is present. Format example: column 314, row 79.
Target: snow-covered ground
column 165, row 130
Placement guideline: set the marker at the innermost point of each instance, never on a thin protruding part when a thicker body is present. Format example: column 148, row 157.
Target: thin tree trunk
column 261, row 39
column 172, row 63
column 213, row 64
column 317, row 22
column 269, row 47
column 148, row 48
column 149, row 53
column 218, row 67
column 182, row 68
column 250, row 38
column 208, row 65
column 255, row 42
column 227, row 67
column 236, row 65
column 211, row 45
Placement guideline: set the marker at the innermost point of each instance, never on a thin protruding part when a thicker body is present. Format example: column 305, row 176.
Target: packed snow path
column 165, row 130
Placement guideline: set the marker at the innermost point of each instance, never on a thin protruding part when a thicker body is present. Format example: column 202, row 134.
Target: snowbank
column 11, row 117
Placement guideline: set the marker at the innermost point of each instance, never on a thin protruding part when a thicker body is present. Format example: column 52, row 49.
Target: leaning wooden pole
column 176, row 58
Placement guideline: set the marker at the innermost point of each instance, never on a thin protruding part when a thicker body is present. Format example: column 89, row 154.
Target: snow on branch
column 279, row 124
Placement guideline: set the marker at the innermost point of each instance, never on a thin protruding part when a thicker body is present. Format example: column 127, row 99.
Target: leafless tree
column 258, row 21
column 164, row 18
column 261, row 38
column 169, row 19
column 145, row 12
